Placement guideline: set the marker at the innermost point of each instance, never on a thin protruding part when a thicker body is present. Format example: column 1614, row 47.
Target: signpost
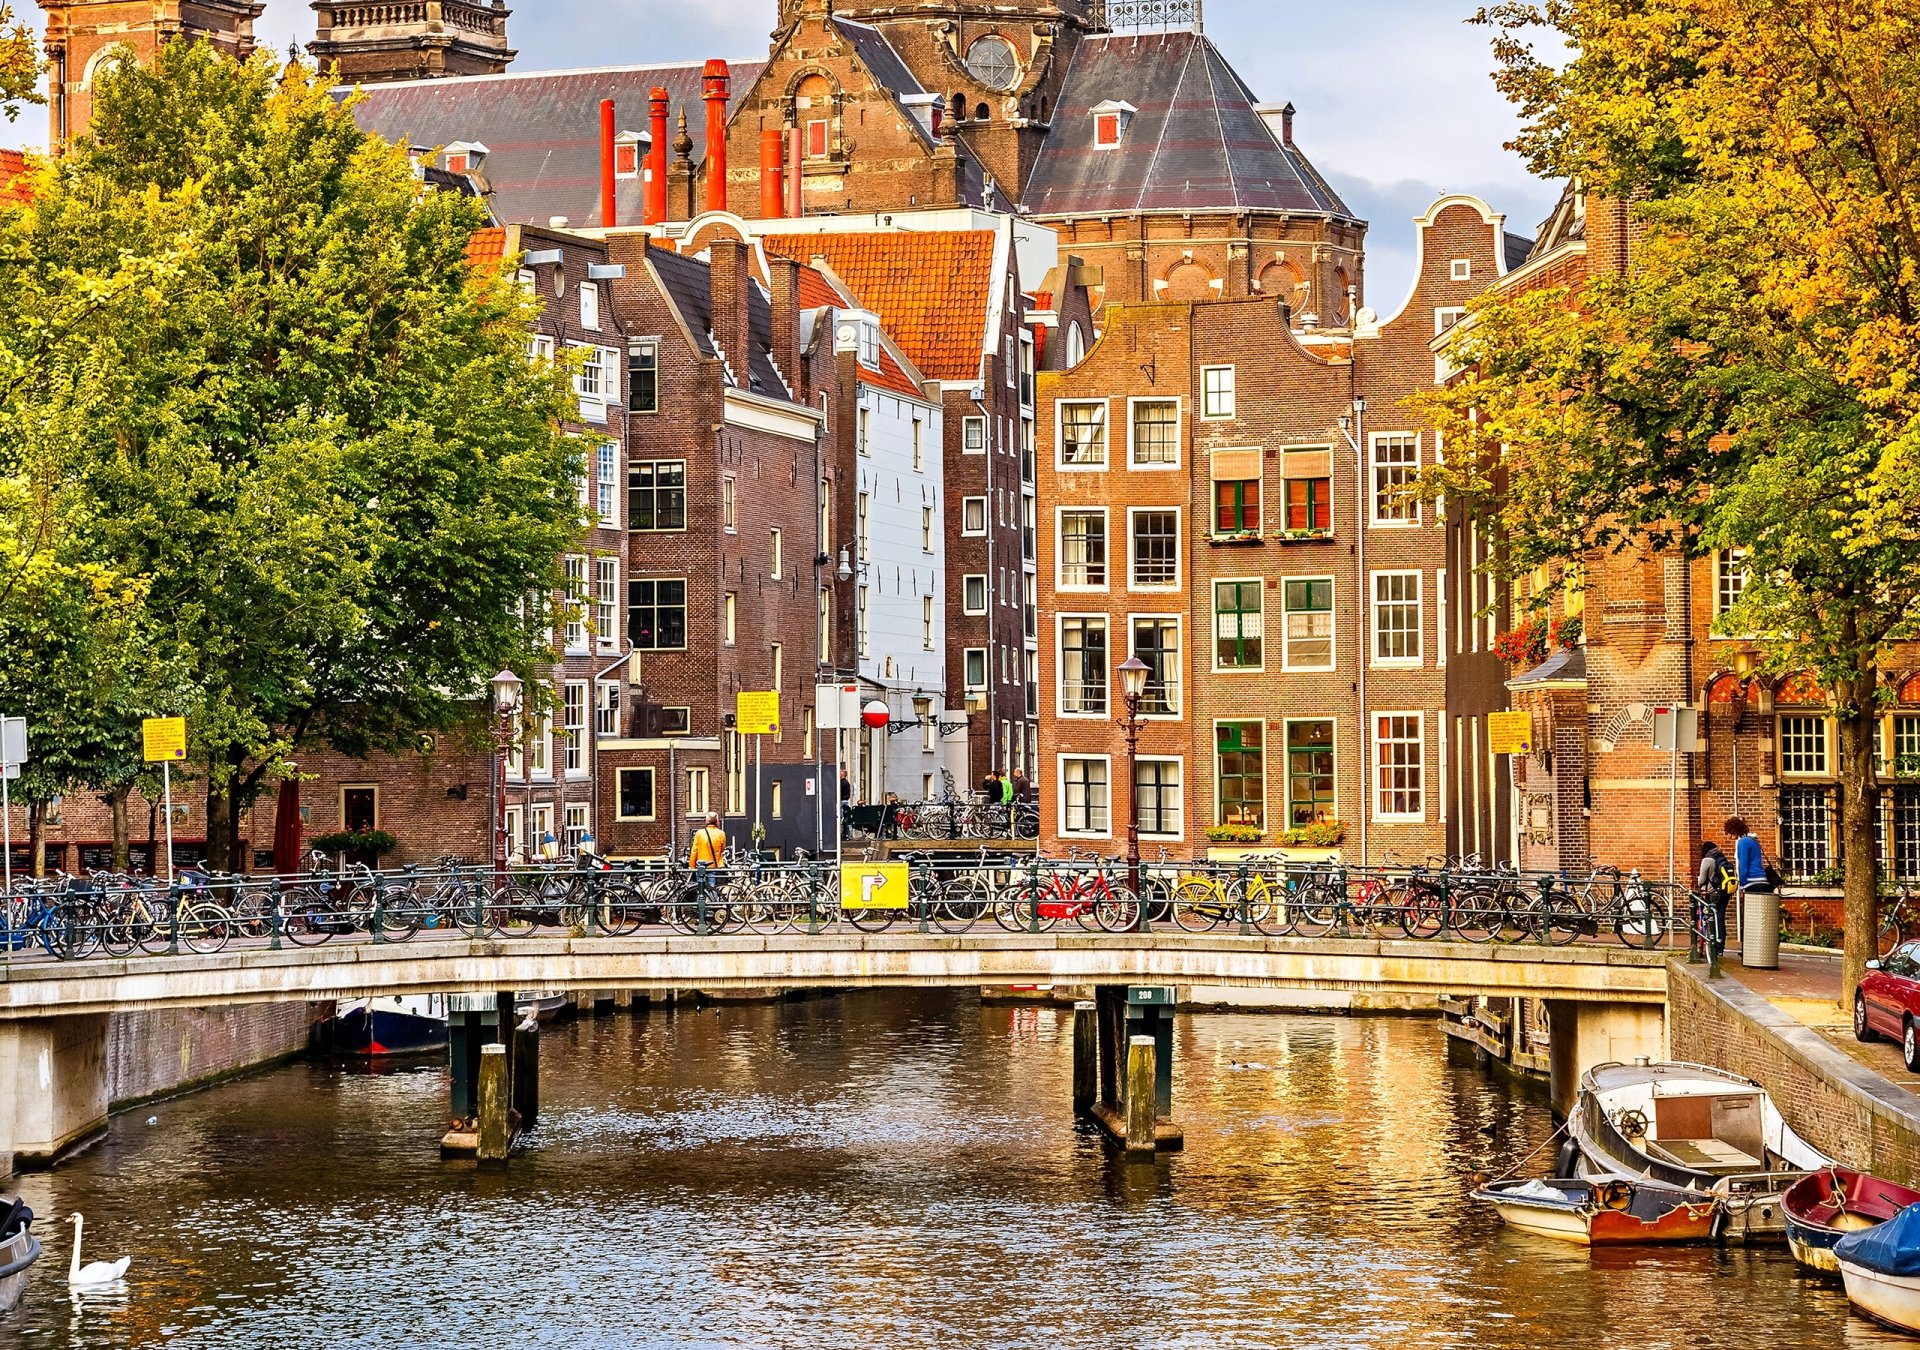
column 164, row 740
column 1672, row 729
column 756, row 713
column 13, row 753
column 873, row 885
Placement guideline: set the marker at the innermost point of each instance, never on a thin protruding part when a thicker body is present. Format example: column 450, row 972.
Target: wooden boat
column 394, row 1025
column 1881, row 1268
column 19, row 1249
column 1823, row 1207
column 1616, row 1212
column 1695, row 1127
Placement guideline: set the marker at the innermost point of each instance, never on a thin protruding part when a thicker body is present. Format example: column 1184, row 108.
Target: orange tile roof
column 487, row 247
column 931, row 289
column 816, row 292
column 13, row 168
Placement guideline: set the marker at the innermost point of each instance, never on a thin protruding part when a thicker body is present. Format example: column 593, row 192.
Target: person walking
column 707, row 855
column 1715, row 887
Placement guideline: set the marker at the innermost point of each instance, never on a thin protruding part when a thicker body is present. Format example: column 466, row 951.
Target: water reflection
column 883, row 1170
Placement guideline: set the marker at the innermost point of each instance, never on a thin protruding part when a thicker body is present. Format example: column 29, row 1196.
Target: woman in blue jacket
column 1749, row 864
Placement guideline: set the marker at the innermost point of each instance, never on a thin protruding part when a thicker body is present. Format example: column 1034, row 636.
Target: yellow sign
column 873, row 886
column 757, row 713
column 1510, row 733
column 164, row 738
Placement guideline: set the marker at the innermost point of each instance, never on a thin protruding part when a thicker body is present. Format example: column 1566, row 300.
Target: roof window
column 1110, row 123
column 464, row 156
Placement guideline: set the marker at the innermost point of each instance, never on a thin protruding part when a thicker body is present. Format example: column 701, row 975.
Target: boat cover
column 1891, row 1248
column 15, row 1217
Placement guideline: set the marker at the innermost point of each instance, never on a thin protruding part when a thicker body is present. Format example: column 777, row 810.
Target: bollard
column 1140, row 1095
column 495, row 1137
column 526, row 1072
column 1086, row 1057
column 276, row 917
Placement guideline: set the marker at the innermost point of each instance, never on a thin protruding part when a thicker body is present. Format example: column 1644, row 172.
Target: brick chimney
column 783, row 281
column 730, row 278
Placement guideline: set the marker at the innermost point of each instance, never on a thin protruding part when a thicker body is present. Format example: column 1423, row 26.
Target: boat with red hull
column 1604, row 1212
column 1824, row 1206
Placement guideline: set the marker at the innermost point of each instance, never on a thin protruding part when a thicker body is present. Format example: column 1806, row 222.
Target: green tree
column 1752, row 379
column 19, row 64
column 310, row 428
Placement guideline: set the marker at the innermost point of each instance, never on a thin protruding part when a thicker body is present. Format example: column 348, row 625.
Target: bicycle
column 1089, row 896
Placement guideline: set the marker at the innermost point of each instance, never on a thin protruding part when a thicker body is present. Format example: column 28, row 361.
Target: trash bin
column 1760, row 930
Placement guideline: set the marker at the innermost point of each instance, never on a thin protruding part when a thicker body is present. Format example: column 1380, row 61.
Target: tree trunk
column 1859, row 857
column 37, row 838
column 236, row 848
column 117, row 805
column 218, row 856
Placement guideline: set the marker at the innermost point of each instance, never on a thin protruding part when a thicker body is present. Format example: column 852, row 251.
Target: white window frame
column 1825, row 772
column 967, row 582
column 967, row 662
column 1179, row 427
column 1212, row 410
column 1287, row 663
column 1060, row 461
column 699, row 791
column 968, row 426
column 1728, row 563
column 1461, row 269
column 1375, row 782
column 589, row 384
column 1376, row 609
column 926, row 529
column 776, row 550
column 606, row 601
column 1180, row 795
column 928, row 626
column 1374, row 479
column 590, row 306
column 1177, row 685
column 1060, row 514
column 1060, row 668
column 577, row 599
column 540, row 749
column 729, row 503
column 608, row 471
column 574, row 700
column 606, row 709
column 1179, row 539
column 1060, row 776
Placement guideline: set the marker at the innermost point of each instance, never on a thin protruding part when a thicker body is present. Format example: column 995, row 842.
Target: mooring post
column 1086, row 1057
column 494, row 1136
column 1109, row 1013
column 1140, row 1106
column 526, row 1072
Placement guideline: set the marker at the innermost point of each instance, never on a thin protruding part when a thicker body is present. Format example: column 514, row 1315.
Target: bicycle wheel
column 1519, row 916
column 1116, row 908
column 965, row 900
column 873, row 920
column 1024, row 911
column 1422, row 911
column 1640, row 924
column 515, row 910
column 1198, row 905
column 305, row 918
column 618, row 911
column 1889, row 931
column 399, row 913
column 1565, row 919
column 205, row 928
column 1270, row 908
column 1475, row 913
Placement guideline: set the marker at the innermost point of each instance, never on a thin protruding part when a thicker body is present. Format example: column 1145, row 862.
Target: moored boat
column 541, row 1007
column 378, row 1027
column 1617, row 1211
column 1695, row 1127
column 1881, row 1268
column 1823, row 1207
column 19, row 1249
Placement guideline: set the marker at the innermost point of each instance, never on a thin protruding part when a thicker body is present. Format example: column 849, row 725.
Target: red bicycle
column 1082, row 889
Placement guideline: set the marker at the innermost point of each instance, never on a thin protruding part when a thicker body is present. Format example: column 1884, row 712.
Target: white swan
column 98, row 1272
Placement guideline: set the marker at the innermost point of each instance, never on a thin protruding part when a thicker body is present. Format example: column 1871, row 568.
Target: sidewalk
column 1807, row 988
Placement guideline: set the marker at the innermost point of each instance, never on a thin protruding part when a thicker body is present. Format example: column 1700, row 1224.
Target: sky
column 1395, row 104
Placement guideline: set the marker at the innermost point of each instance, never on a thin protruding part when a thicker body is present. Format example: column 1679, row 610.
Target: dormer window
column 629, row 150
column 859, row 332
column 1110, row 123
column 590, row 306
column 464, row 156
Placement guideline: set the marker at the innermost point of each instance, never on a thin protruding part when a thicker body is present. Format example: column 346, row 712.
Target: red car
column 1887, row 1003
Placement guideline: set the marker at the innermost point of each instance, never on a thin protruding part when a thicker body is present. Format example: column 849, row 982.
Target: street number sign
column 757, row 713
column 1510, row 733
column 873, row 886
column 164, row 738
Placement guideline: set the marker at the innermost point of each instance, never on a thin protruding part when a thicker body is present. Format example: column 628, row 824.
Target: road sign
column 873, row 886
column 1510, row 733
column 757, row 712
column 13, row 742
column 165, row 738
column 1676, row 729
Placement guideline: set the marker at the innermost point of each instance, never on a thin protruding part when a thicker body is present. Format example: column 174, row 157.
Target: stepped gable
column 1196, row 141
column 932, row 289
column 541, row 129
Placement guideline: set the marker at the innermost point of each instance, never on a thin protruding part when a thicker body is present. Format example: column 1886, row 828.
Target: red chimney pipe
column 796, row 186
column 715, row 83
column 609, row 206
column 773, row 188
column 653, row 209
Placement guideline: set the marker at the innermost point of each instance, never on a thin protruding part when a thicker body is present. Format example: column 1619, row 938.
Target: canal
column 883, row 1170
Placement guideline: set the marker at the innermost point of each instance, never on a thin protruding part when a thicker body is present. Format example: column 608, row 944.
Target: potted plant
column 362, row 843
column 1235, row 834
column 1320, row 834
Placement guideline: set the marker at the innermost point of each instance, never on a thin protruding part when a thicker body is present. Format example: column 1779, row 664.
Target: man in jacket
column 1712, row 887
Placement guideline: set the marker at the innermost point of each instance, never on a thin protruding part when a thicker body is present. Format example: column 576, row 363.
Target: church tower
column 82, row 34
column 422, row 40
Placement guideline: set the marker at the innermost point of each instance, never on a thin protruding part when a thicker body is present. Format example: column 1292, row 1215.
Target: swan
column 98, row 1272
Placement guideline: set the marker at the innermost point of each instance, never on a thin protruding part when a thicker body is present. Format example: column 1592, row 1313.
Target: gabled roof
column 1565, row 224
column 688, row 285
column 543, row 129
column 1197, row 143
column 817, row 291
column 932, row 289
column 13, row 170
column 487, row 247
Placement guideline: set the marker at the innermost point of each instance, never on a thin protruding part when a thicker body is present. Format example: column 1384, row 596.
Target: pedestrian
column 1750, row 869
column 1022, row 786
column 1006, row 792
column 990, row 785
column 1715, row 886
column 707, row 855
column 846, row 802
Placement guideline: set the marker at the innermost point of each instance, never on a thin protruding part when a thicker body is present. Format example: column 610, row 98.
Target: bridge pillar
column 1122, row 1015
column 53, row 1087
column 1585, row 1034
column 1086, row 1057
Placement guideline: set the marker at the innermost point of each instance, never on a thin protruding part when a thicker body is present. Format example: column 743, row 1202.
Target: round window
column 992, row 62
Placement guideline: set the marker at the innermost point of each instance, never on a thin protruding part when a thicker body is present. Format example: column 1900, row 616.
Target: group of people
column 1720, row 880
column 1006, row 791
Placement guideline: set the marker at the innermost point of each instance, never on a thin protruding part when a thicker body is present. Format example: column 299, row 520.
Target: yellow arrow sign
column 873, row 886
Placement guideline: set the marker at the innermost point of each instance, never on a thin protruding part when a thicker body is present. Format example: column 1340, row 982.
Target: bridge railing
column 73, row 918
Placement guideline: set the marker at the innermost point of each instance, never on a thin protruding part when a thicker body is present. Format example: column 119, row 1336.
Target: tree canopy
column 19, row 64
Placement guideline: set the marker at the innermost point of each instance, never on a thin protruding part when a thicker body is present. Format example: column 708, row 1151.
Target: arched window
column 1076, row 344
column 991, row 61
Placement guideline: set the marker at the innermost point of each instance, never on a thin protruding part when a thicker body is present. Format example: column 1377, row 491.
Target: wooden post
column 1140, row 1095
column 1112, row 1033
column 526, row 1072
column 623, row 1000
column 495, row 1138
column 1086, row 1057
column 504, row 1004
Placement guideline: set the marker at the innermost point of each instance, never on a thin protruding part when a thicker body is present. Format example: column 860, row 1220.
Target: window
column 926, row 529
column 1463, row 269
column 540, row 347
column 976, row 668
column 1156, row 432
column 973, row 594
column 606, row 601
column 866, row 431
column 1446, row 317
column 1307, row 643
column 1083, row 796
column 777, row 658
column 1240, row 773
column 576, row 603
column 1238, row 625
column 1399, row 766
column 972, row 515
column 643, row 376
column 589, row 387
column 926, row 623
column 636, row 794
column 1803, row 746
column 919, row 444
column 775, row 552
column 1216, row 392
column 817, row 130
column 973, row 435
column 698, row 792
column 1729, row 579
column 1156, row 641
column 823, row 626
column 991, row 61
column 1309, row 773
column 676, row 721
column 862, row 629
column 729, row 514
column 1806, row 831
column 1083, row 550
column 606, row 709
column 1396, row 618
column 1310, row 505
column 540, row 749
column 1236, row 506
column 776, row 799
column 590, row 306
column 577, row 827
column 1156, row 547
column 1396, row 461
column 607, row 484
column 1026, row 370
column 863, row 527
column 657, row 494
column 1083, row 435
column 734, row 756
column 730, row 618
column 1156, row 786
column 574, row 705
column 1083, row 666
column 657, row 615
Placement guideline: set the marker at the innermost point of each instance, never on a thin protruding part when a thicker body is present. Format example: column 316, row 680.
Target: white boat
column 1697, row 1127
column 537, row 1004
column 1881, row 1268
column 19, row 1249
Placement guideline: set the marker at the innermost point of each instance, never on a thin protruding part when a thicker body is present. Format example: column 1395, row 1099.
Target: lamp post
column 506, row 699
column 1353, row 428
column 1133, row 687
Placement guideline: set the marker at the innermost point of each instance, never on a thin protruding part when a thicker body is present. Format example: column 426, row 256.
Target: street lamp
column 1353, row 430
column 1133, row 687
column 506, row 698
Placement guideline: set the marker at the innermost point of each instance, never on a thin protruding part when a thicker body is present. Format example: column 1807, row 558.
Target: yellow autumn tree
column 19, row 64
column 1751, row 380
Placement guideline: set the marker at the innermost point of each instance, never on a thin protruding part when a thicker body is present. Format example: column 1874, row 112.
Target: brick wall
column 165, row 1050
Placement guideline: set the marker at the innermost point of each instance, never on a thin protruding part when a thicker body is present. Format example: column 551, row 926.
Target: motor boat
column 1823, row 1207
column 19, row 1249
column 1618, row 1211
column 1695, row 1127
column 1881, row 1268
column 392, row 1025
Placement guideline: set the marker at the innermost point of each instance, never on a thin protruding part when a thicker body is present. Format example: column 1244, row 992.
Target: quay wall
column 158, row 1052
column 1835, row 1103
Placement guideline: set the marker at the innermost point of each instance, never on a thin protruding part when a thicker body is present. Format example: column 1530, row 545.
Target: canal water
column 882, row 1170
